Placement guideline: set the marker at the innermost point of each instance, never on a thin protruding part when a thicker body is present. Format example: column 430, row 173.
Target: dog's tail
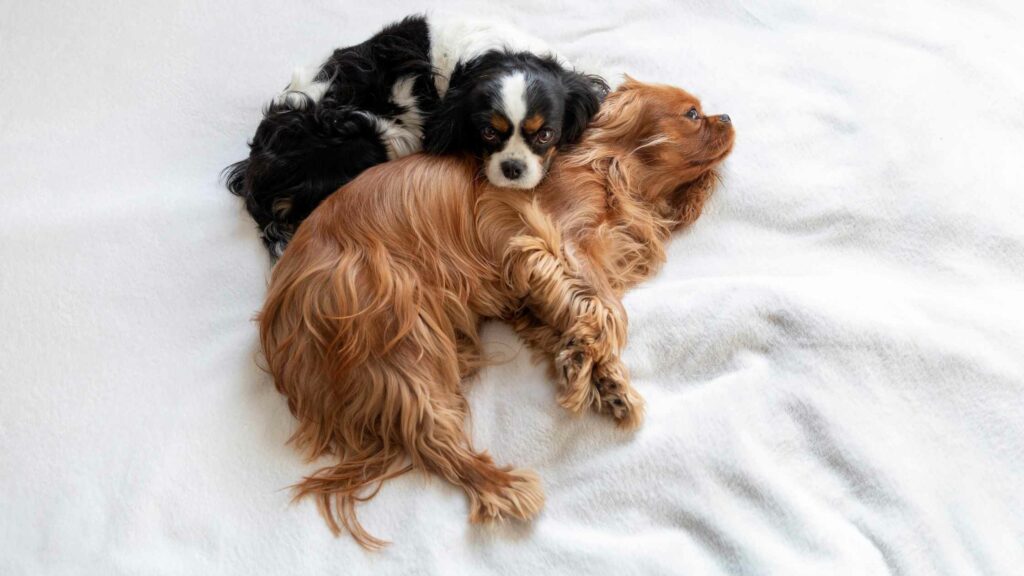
column 323, row 330
column 338, row 488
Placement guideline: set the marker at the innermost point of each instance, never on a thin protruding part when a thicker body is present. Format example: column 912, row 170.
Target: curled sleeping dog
column 372, row 314
column 460, row 86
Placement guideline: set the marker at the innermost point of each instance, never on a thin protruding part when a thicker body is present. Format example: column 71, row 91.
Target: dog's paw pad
column 628, row 410
column 607, row 386
column 617, row 397
column 619, row 409
column 520, row 498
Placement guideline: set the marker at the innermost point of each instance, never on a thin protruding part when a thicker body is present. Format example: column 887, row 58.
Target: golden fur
column 372, row 314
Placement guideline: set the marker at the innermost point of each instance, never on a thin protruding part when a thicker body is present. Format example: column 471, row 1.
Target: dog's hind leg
column 432, row 431
column 439, row 444
column 411, row 408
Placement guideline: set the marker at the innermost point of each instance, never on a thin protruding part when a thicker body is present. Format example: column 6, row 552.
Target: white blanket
column 833, row 357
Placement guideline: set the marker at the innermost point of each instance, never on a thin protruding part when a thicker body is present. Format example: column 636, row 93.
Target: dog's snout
column 513, row 169
column 724, row 118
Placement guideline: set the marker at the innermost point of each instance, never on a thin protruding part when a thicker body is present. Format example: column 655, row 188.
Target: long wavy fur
column 371, row 319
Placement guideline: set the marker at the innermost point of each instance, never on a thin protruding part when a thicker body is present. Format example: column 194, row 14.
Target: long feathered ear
column 620, row 118
column 584, row 95
column 446, row 126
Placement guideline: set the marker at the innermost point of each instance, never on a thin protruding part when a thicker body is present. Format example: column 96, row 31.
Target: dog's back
column 363, row 268
column 363, row 105
column 365, row 330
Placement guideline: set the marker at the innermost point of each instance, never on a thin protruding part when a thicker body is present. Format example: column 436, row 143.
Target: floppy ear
column 445, row 129
column 584, row 94
column 448, row 128
column 620, row 118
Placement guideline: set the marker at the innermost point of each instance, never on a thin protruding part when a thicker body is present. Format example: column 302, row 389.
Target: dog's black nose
column 725, row 118
column 512, row 169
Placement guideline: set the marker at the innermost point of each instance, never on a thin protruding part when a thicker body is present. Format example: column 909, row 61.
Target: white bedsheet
column 833, row 357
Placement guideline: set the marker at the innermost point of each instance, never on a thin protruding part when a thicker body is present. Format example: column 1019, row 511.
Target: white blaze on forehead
column 516, row 148
column 513, row 98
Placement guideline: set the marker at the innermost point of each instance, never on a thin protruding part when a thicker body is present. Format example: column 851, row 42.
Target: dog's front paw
column 584, row 346
column 574, row 364
column 615, row 394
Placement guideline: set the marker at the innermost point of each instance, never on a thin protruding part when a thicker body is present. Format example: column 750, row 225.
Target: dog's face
column 514, row 110
column 675, row 134
column 680, row 147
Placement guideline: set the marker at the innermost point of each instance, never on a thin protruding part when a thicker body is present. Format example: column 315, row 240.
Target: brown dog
column 371, row 321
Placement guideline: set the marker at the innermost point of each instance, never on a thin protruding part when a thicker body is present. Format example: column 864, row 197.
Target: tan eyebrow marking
column 533, row 123
column 499, row 123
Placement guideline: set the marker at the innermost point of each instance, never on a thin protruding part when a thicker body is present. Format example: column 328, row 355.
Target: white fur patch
column 403, row 135
column 303, row 84
column 455, row 39
column 513, row 98
column 513, row 104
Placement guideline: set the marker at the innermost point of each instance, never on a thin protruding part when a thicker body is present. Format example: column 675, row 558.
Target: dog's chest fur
column 607, row 230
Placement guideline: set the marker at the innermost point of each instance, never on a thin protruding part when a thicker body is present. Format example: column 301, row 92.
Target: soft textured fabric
column 833, row 357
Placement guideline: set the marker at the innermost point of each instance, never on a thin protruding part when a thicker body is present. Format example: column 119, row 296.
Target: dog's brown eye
column 693, row 114
column 545, row 135
column 489, row 134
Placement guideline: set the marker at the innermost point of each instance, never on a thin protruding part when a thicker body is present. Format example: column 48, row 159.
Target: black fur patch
column 566, row 99
column 303, row 153
column 300, row 155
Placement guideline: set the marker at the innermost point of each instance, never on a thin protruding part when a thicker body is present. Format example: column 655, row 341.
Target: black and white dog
column 446, row 86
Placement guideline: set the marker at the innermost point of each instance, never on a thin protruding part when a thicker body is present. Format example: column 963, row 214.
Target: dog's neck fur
column 614, row 210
